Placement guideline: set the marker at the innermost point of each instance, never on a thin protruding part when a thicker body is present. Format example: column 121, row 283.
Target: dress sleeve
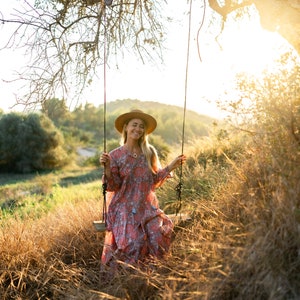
column 114, row 182
column 161, row 176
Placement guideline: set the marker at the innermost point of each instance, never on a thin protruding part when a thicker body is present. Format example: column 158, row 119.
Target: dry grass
column 49, row 258
column 57, row 257
column 242, row 243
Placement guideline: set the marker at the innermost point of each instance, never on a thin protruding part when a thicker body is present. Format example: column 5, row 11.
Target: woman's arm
column 164, row 173
column 111, row 172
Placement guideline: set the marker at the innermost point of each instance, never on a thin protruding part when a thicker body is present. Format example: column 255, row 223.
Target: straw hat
column 136, row 114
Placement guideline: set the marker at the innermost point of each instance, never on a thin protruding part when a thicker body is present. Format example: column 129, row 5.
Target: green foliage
column 111, row 144
column 88, row 117
column 160, row 145
column 30, row 142
column 32, row 195
column 56, row 110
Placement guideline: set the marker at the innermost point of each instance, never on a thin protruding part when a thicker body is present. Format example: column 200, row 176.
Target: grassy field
column 35, row 194
column 242, row 242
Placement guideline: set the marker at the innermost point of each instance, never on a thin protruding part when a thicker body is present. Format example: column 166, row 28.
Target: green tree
column 30, row 142
column 86, row 123
column 56, row 110
column 9, row 135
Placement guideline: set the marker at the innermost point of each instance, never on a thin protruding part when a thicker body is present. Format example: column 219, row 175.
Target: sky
column 243, row 47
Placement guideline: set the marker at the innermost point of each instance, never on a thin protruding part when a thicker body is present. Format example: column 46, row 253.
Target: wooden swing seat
column 176, row 219
column 99, row 226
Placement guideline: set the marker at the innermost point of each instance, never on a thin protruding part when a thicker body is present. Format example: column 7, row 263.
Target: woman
column 136, row 227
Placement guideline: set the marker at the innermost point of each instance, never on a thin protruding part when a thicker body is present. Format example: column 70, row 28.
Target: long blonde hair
column 148, row 150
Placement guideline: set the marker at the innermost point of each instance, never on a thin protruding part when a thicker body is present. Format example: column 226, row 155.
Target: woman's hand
column 178, row 161
column 104, row 159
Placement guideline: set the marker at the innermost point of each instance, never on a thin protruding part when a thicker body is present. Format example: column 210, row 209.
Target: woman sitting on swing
column 137, row 228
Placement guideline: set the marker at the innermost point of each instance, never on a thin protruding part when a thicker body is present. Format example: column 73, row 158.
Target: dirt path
column 86, row 152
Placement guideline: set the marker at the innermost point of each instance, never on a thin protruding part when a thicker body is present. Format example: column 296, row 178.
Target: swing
column 101, row 225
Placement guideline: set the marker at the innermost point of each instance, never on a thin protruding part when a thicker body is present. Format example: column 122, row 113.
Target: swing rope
column 178, row 188
column 104, row 185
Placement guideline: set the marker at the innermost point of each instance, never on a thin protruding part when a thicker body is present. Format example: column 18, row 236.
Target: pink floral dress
column 136, row 227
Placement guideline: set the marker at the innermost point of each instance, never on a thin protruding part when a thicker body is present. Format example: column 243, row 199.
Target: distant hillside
column 169, row 118
column 129, row 104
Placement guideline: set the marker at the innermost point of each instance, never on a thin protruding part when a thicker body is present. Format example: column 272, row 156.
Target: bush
column 30, row 142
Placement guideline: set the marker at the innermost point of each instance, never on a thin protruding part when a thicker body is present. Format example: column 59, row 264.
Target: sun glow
column 252, row 49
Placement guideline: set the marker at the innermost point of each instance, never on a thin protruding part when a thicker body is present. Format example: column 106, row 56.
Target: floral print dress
column 136, row 227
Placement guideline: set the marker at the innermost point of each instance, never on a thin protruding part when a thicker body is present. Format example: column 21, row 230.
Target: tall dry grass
column 50, row 257
column 265, row 194
column 242, row 241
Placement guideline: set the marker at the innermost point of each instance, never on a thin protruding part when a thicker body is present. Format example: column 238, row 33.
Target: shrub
column 30, row 142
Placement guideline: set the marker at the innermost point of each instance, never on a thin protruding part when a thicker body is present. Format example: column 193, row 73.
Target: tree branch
column 64, row 40
column 228, row 8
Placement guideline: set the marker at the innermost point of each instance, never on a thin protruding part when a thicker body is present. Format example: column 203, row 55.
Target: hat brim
column 150, row 122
